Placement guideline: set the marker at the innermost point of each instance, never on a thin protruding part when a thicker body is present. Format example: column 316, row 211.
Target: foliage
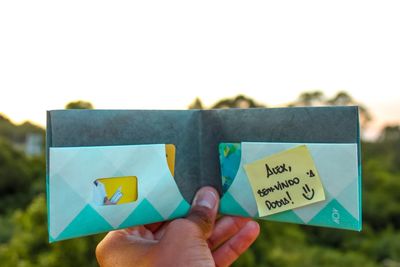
column 17, row 133
column 317, row 98
column 28, row 246
column 239, row 101
column 19, row 177
column 80, row 104
column 197, row 104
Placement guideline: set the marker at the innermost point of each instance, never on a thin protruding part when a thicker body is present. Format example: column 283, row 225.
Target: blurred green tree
column 239, row 101
column 80, row 104
column 391, row 134
column 197, row 104
column 20, row 177
column 29, row 247
column 16, row 134
column 342, row 98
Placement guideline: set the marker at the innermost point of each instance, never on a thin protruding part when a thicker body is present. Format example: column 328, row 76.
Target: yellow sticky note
column 285, row 181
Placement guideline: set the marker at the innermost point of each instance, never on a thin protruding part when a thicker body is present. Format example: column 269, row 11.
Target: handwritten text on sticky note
column 285, row 181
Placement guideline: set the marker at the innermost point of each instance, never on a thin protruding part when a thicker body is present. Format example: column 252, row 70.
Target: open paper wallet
column 111, row 169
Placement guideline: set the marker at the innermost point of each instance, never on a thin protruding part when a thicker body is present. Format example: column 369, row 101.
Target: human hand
column 197, row 240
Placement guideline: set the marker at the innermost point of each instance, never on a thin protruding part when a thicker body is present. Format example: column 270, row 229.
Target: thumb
column 204, row 210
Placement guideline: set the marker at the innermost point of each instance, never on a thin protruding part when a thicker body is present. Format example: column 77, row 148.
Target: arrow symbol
column 310, row 173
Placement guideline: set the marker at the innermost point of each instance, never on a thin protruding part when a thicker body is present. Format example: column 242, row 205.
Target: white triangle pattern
column 80, row 166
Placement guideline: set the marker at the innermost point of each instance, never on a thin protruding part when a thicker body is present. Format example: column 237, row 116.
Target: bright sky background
column 163, row 54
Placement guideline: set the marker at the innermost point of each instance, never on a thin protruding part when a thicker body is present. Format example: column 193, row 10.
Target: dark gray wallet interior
column 196, row 134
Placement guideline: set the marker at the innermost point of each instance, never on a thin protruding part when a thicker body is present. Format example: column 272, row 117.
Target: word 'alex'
column 277, row 169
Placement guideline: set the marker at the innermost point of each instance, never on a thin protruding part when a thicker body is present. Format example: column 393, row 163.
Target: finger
column 239, row 243
column 130, row 230
column 153, row 227
column 120, row 248
column 139, row 232
column 224, row 229
column 204, row 210
column 161, row 231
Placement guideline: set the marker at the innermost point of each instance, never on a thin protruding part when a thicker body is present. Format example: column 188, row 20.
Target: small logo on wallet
column 336, row 216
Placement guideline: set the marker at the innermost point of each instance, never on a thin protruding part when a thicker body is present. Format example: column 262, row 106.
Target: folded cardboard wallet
column 111, row 169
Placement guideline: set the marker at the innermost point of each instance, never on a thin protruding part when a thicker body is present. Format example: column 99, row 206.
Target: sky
column 164, row 54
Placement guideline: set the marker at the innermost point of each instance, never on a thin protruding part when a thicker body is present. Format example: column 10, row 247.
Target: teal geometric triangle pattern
column 286, row 216
column 144, row 213
column 84, row 223
column 349, row 198
column 51, row 240
column 180, row 211
column 229, row 205
column 334, row 215
column 64, row 207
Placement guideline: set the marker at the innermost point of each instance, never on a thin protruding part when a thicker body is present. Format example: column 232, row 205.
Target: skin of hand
column 197, row 240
